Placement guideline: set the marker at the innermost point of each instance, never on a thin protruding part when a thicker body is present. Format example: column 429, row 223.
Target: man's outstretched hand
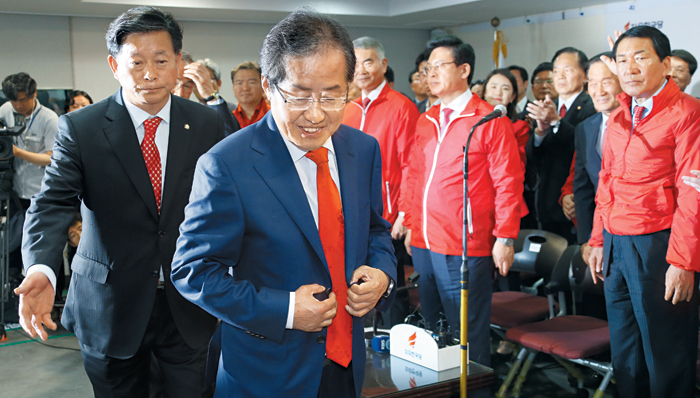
column 36, row 296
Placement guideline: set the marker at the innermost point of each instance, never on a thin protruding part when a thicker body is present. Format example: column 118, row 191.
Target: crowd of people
column 605, row 155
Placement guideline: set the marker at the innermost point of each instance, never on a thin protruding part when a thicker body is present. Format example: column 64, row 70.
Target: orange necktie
column 152, row 156
column 331, row 228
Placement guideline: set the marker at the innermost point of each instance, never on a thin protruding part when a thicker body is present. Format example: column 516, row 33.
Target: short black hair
column 523, row 72
column 543, row 67
column 475, row 83
column 389, row 74
column 303, row 33
column 582, row 58
column 70, row 98
column 660, row 41
column 597, row 58
column 512, row 113
column 18, row 83
column 462, row 52
column 422, row 57
column 687, row 58
column 410, row 76
column 142, row 19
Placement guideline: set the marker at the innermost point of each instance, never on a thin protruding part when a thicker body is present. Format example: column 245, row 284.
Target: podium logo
column 412, row 382
column 412, row 340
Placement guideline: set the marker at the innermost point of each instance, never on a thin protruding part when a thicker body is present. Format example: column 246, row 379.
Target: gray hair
column 186, row 57
column 303, row 33
column 368, row 43
column 212, row 66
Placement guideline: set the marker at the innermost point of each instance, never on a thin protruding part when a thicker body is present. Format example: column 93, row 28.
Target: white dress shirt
column 458, row 105
column 306, row 168
column 138, row 116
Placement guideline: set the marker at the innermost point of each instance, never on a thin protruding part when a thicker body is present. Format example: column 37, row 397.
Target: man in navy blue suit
column 603, row 87
column 250, row 251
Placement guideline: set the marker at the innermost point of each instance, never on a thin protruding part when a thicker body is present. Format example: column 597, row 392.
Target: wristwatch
column 213, row 96
column 389, row 288
column 506, row 241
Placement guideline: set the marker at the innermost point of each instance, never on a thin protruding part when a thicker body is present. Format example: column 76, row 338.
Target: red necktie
column 365, row 102
column 562, row 111
column 152, row 156
column 331, row 228
column 638, row 111
column 446, row 112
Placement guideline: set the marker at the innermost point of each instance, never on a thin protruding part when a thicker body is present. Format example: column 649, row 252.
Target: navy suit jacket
column 588, row 162
column 248, row 213
column 97, row 162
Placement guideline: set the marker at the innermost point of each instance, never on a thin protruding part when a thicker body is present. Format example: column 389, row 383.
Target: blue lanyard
column 33, row 119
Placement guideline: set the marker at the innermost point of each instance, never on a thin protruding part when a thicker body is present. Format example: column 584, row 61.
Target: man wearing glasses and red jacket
column 435, row 180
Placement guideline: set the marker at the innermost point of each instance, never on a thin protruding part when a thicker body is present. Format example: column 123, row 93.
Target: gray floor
column 29, row 369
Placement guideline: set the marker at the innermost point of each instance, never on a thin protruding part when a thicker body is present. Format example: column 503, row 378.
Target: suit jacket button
column 161, row 234
column 321, row 339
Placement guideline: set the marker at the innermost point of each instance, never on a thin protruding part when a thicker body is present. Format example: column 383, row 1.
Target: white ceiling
column 416, row 14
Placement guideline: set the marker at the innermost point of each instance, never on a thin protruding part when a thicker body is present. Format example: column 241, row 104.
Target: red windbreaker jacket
column 640, row 190
column 391, row 119
column 435, row 179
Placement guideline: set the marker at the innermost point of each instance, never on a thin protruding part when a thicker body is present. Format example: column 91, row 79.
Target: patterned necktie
column 562, row 111
column 638, row 111
column 331, row 228
column 365, row 102
column 152, row 156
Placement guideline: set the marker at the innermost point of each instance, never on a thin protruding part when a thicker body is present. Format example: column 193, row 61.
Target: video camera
column 6, row 152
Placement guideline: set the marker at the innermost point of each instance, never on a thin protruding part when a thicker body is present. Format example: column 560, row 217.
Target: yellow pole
column 463, row 333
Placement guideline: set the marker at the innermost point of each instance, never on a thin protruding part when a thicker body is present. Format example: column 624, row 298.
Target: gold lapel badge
column 187, row 126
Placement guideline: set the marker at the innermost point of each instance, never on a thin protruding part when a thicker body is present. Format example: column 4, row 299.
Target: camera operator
column 32, row 148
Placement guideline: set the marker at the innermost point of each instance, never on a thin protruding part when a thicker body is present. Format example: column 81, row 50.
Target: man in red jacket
column 435, row 178
column 646, row 236
column 390, row 117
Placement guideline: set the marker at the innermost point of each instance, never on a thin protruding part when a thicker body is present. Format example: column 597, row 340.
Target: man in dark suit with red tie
column 129, row 160
column 551, row 148
column 283, row 210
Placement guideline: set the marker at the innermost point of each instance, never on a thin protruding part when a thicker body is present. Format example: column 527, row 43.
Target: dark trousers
column 337, row 381
column 654, row 343
column 439, row 291
column 181, row 367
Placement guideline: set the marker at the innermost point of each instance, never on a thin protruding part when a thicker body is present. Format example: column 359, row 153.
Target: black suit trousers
column 653, row 342
column 181, row 367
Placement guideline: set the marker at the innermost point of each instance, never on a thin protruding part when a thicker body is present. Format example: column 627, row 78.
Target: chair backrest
column 537, row 252
column 580, row 277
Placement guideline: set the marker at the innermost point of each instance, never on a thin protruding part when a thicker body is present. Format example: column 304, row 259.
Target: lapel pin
column 187, row 126
column 579, row 108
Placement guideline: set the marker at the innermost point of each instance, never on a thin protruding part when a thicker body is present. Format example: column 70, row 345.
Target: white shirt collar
column 648, row 104
column 568, row 102
column 374, row 93
column 297, row 153
column 138, row 115
column 520, row 106
column 458, row 104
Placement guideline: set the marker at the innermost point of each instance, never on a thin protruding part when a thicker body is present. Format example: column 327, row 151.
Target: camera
column 6, row 152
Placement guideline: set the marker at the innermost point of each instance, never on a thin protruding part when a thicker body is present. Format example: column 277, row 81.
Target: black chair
column 569, row 339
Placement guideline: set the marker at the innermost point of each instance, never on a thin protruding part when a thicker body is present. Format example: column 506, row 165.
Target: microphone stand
column 464, row 271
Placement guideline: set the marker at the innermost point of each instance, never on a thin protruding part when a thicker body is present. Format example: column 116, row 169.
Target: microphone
column 498, row 111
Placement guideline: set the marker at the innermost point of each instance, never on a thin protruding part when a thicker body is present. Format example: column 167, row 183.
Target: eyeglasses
column 539, row 82
column 436, row 67
column 302, row 104
column 184, row 83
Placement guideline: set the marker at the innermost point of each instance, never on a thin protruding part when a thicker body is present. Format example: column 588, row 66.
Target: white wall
column 535, row 39
column 70, row 52
column 38, row 45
